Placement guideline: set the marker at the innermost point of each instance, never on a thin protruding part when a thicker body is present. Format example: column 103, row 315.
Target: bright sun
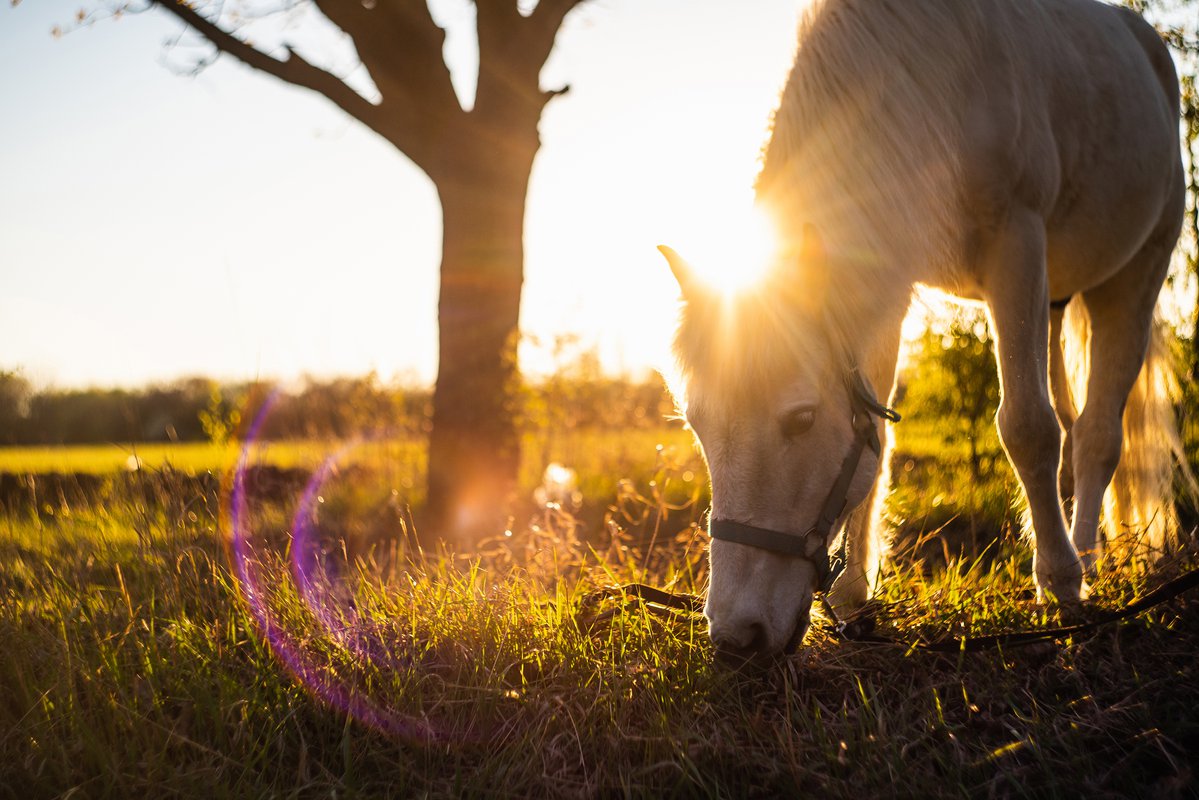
column 734, row 254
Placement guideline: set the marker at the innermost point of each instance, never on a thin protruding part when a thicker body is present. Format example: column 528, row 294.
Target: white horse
column 1021, row 153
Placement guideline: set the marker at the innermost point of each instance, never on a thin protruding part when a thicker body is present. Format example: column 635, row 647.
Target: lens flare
column 327, row 603
column 735, row 254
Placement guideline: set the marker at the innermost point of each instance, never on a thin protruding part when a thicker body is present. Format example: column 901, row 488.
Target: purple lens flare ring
column 336, row 618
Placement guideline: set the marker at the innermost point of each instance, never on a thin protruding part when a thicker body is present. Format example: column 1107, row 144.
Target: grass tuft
column 135, row 662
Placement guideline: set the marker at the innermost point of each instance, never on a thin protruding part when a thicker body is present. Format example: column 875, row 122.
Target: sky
column 156, row 224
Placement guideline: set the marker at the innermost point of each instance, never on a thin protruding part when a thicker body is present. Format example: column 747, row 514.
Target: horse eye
column 797, row 422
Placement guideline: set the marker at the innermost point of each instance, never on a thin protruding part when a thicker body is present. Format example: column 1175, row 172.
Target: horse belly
column 1104, row 216
column 1101, row 236
column 1118, row 150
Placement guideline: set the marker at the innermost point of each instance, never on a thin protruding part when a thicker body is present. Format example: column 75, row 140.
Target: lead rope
column 861, row 629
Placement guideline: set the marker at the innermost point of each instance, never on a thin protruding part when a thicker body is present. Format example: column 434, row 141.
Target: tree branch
column 553, row 12
column 400, row 45
column 399, row 118
column 294, row 70
column 512, row 51
column 548, row 17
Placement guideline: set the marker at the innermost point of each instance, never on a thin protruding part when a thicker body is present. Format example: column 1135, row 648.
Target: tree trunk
column 474, row 447
column 480, row 161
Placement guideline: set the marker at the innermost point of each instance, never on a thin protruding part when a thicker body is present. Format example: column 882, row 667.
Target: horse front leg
column 866, row 531
column 1015, row 288
column 865, row 540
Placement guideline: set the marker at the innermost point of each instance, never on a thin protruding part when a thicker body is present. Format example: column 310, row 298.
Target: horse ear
column 813, row 265
column 683, row 273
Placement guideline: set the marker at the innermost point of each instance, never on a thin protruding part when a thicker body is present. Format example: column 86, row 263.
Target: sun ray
column 734, row 254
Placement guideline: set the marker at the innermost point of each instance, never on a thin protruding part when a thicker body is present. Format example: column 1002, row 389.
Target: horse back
column 1078, row 122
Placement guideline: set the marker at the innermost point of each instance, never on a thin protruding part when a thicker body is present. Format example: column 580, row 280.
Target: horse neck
column 864, row 316
column 875, row 169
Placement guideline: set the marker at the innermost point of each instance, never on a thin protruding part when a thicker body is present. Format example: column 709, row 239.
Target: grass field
column 587, row 451
column 601, row 459
column 189, row 457
column 142, row 658
column 581, row 449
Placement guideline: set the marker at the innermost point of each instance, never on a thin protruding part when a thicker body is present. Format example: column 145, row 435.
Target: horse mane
column 864, row 145
column 864, row 138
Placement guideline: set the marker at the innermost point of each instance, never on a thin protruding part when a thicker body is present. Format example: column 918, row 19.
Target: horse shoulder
column 1010, row 164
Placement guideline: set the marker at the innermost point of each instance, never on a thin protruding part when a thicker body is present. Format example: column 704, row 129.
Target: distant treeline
column 199, row 409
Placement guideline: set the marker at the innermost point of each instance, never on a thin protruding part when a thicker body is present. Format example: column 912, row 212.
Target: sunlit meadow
column 145, row 654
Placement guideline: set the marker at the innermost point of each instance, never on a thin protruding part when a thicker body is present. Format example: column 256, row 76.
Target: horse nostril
column 742, row 645
column 757, row 639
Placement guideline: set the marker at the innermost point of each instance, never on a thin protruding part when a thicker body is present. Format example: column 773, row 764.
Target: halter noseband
column 813, row 545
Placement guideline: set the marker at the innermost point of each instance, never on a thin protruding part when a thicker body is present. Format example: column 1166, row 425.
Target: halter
column 813, row 545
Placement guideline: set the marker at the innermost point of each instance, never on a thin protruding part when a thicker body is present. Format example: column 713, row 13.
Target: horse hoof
column 1064, row 587
column 1061, row 596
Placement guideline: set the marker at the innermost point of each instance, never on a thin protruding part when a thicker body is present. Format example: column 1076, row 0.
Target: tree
column 479, row 160
column 955, row 379
column 15, row 393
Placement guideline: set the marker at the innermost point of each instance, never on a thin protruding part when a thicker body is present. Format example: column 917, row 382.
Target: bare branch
column 550, row 14
column 546, row 20
column 294, row 69
column 403, row 117
column 400, row 47
column 513, row 49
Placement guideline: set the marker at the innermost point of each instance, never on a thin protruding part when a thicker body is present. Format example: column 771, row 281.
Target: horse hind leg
column 1063, row 404
column 1016, row 291
column 1121, row 320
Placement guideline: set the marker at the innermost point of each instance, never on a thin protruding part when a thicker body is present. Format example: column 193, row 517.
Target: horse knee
column 1030, row 435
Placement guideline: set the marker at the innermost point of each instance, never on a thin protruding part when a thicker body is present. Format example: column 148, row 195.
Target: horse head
column 788, row 429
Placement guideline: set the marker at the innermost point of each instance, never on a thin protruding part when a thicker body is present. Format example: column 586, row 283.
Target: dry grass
column 133, row 665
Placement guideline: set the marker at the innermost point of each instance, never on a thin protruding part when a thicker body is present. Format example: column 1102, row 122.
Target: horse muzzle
column 744, row 639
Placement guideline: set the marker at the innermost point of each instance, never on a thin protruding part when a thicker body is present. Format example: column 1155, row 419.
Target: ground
column 142, row 656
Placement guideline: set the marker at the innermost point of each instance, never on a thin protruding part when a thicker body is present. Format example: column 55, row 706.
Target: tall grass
column 134, row 663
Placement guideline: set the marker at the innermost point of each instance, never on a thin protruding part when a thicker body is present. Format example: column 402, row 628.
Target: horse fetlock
column 1059, row 581
column 1085, row 536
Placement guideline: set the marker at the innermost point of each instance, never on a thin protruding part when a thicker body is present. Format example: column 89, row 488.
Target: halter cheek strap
column 813, row 545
